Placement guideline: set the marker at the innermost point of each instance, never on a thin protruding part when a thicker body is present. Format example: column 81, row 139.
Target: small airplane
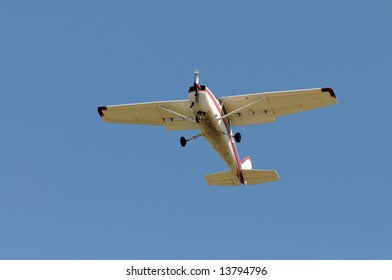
column 215, row 118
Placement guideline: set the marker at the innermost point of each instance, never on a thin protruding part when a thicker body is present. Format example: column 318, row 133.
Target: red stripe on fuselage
column 228, row 129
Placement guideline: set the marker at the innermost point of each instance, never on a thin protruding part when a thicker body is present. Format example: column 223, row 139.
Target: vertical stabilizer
column 246, row 163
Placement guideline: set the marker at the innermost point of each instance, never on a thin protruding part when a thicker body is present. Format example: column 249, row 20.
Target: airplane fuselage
column 209, row 116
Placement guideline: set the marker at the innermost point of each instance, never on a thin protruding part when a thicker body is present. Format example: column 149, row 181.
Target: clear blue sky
column 74, row 187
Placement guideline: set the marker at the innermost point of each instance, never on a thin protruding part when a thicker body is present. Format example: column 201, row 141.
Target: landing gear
column 237, row 137
column 198, row 116
column 183, row 140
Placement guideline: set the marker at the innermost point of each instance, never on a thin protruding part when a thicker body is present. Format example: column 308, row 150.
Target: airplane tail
column 251, row 177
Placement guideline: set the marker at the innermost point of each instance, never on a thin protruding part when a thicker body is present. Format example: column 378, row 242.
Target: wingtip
column 330, row 91
column 101, row 109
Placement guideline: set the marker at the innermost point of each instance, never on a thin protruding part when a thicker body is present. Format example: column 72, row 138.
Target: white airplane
column 215, row 118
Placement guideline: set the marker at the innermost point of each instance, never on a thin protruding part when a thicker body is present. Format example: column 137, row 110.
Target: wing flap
column 174, row 115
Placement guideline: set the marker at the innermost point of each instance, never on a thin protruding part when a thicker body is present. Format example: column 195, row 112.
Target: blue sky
column 74, row 187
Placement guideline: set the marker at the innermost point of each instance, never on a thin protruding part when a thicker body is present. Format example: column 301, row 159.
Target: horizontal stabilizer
column 227, row 178
column 252, row 177
column 256, row 176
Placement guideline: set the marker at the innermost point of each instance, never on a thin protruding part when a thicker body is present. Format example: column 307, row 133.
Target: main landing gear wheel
column 237, row 137
column 183, row 141
column 198, row 116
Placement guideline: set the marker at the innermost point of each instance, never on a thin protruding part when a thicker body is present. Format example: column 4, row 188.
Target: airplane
column 214, row 118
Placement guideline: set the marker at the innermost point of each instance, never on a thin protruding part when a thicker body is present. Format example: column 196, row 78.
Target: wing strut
column 175, row 113
column 243, row 107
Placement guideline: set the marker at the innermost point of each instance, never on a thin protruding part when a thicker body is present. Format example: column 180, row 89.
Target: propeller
column 196, row 84
column 196, row 76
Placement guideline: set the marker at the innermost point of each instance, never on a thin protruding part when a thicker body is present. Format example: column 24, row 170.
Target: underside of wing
column 260, row 108
column 174, row 115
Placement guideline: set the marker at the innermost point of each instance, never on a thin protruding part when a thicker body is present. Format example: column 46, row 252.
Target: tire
column 183, row 141
column 237, row 137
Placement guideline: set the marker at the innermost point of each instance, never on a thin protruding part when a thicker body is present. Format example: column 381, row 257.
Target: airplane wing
column 260, row 108
column 174, row 115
